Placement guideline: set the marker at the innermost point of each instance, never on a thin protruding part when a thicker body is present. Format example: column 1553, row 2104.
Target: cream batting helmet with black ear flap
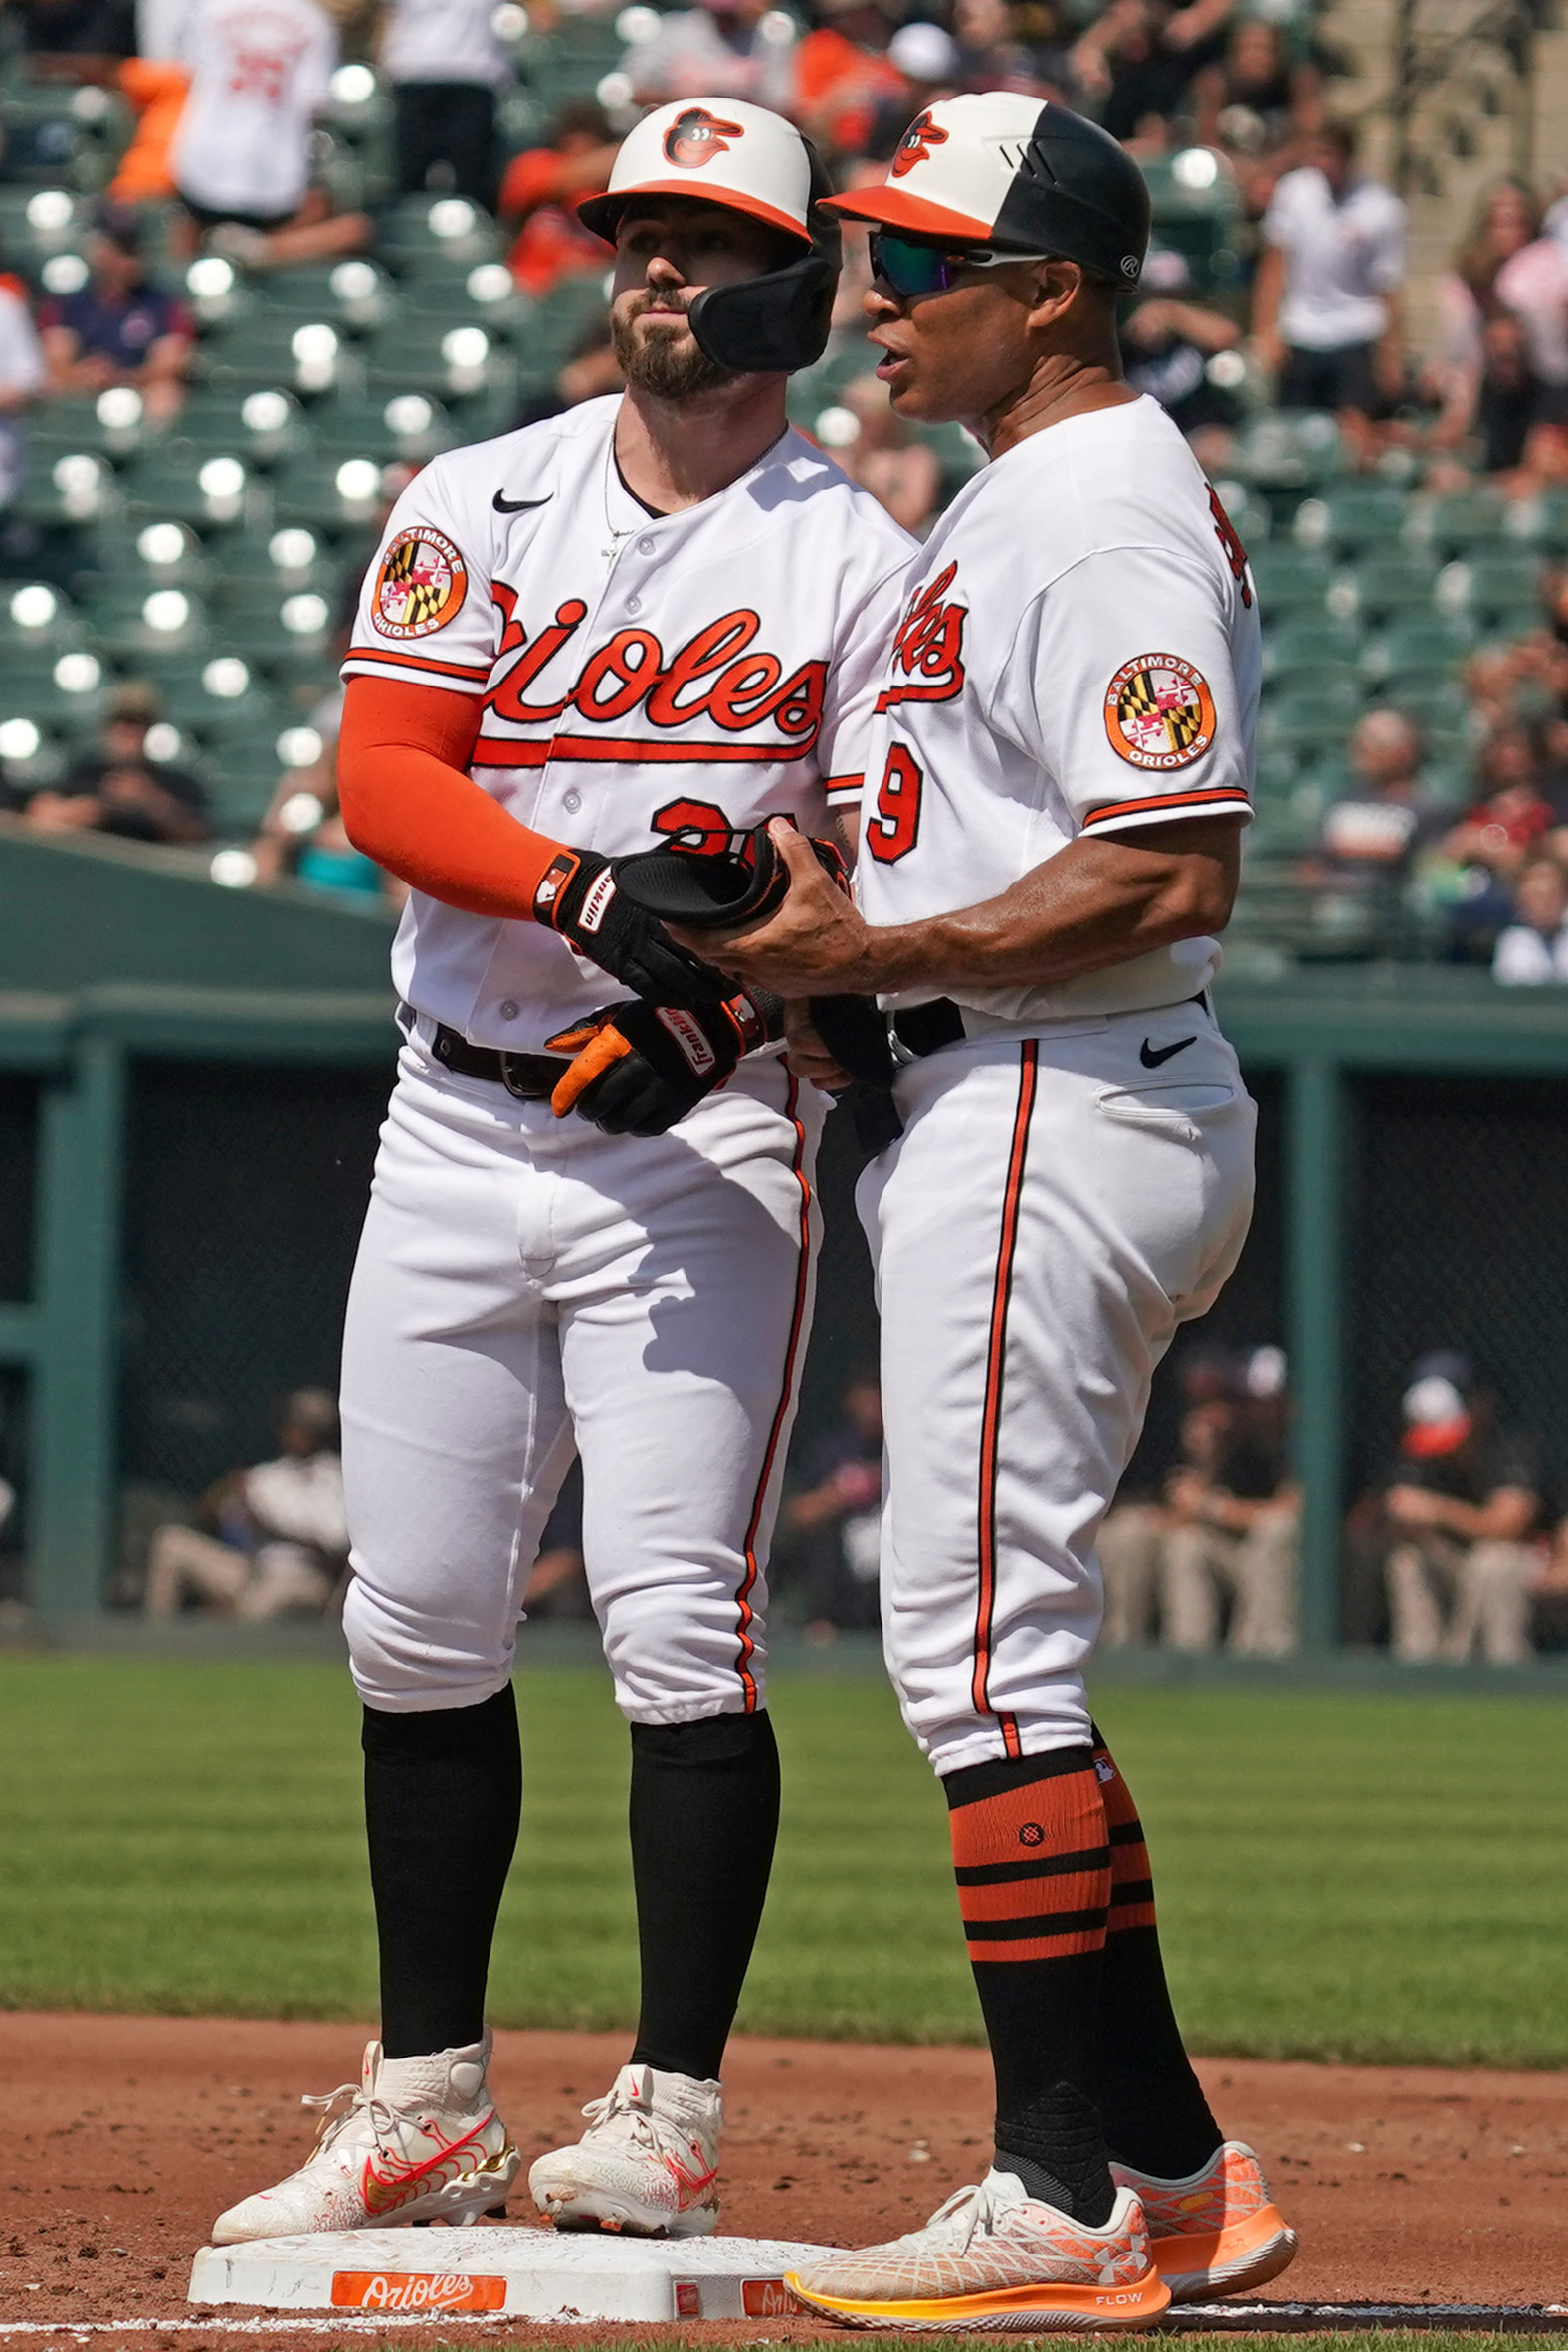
column 724, row 151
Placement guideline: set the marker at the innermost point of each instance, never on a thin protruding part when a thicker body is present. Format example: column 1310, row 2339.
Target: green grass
column 1373, row 1878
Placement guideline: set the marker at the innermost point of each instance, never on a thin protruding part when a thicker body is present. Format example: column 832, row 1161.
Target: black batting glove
column 639, row 1068
column 579, row 897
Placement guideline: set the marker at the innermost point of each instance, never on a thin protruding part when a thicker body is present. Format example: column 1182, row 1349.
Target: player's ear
column 1053, row 287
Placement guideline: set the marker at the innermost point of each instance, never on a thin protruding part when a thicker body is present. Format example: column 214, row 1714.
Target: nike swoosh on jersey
column 1151, row 1055
column 504, row 505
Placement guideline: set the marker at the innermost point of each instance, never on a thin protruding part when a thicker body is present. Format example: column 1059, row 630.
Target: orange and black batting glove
column 579, row 895
column 639, row 1068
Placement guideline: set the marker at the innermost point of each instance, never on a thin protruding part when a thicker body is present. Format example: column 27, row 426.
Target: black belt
column 532, row 1078
column 925, row 1028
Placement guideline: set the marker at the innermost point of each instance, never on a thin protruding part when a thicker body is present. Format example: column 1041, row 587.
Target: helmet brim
column 897, row 208
column 602, row 214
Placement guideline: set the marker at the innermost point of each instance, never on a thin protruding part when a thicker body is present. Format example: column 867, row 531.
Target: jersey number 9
column 892, row 832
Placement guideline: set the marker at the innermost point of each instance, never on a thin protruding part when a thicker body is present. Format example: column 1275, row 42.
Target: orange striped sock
column 1032, row 1866
column 1155, row 2114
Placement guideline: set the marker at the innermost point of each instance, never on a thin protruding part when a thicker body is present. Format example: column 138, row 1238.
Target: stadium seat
column 36, row 620
column 312, row 356
column 1198, row 213
column 433, row 235
column 276, row 626
column 1289, row 580
column 1355, row 515
column 328, row 494
column 1307, row 721
column 1455, row 526
column 447, row 358
column 353, row 294
column 256, row 427
column 1494, row 589
column 407, row 425
column 1417, row 642
column 1285, row 452
column 135, row 624
column 207, row 493
column 1382, row 585
column 1310, row 642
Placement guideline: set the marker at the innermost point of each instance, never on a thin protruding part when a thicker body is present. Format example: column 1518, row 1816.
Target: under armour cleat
column 994, row 2259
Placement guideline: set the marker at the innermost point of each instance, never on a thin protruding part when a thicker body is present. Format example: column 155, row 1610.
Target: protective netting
column 18, row 1184
column 1459, row 1220
column 244, row 1192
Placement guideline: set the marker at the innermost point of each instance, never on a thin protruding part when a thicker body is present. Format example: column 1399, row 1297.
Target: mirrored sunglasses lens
column 909, row 269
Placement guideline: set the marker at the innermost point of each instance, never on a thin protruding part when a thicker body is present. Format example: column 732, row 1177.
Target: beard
column 661, row 362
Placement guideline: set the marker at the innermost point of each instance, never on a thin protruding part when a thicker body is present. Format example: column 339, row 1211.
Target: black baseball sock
column 443, row 1799
column 705, row 1815
column 1156, row 2117
column 1032, row 1867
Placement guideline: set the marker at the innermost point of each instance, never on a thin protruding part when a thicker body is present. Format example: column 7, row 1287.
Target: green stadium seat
column 488, row 294
column 216, row 697
column 64, row 488
column 353, row 295
column 1308, row 641
column 328, row 494
column 37, row 621
column 207, row 493
column 1285, row 452
column 1289, row 580
column 257, row 427
column 1355, row 515
column 256, row 354
column 1494, row 589
column 407, row 425
column 62, row 693
column 446, row 358
column 1198, row 212
column 431, row 235
column 1382, row 585
column 1418, row 642
column 37, row 222
column 1305, row 720
column 274, row 626
column 134, row 624
column 1454, row 527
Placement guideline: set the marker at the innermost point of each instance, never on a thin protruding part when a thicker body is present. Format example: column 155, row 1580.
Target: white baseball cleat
column 647, row 2163
column 1215, row 2231
column 418, row 2141
column 994, row 2259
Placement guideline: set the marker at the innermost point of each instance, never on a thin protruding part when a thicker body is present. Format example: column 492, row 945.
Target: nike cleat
column 647, row 2164
column 994, row 2259
column 1215, row 2231
column 418, row 2141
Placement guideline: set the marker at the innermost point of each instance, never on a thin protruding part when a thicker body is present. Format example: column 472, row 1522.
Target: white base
column 538, row 2273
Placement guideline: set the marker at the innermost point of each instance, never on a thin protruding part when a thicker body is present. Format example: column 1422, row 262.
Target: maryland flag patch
column 420, row 586
column 1160, row 713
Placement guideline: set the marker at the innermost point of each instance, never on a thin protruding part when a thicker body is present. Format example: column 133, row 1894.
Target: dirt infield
column 126, row 2136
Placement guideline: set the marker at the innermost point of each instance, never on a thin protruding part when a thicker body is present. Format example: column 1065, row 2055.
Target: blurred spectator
column 279, row 1544
column 833, row 1523
column 1534, row 950
column 120, row 328
column 926, row 57
column 22, row 377
column 242, row 152
column 1167, row 346
column 844, row 74
column 1324, row 314
column 1259, row 106
column 1235, row 1524
column 118, row 789
column 557, row 1582
column 75, row 40
column 541, row 192
column 1370, row 839
column 900, row 473
column 320, row 231
column 1224, row 1539
column 742, row 48
column 1138, row 59
column 1506, row 269
column 445, row 65
column 1461, row 1507
column 1513, row 816
column 303, row 839
column 990, row 55
column 156, row 90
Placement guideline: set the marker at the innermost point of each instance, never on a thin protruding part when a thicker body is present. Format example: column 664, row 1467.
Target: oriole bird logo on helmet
column 916, row 143
column 698, row 138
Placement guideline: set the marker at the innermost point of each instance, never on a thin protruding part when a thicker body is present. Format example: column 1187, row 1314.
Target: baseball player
column 653, row 616
column 1054, row 801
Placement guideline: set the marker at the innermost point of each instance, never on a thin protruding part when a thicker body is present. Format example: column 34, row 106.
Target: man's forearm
column 1101, row 902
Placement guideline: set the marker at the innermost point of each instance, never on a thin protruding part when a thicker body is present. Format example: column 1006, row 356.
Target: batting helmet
column 724, row 151
column 1018, row 175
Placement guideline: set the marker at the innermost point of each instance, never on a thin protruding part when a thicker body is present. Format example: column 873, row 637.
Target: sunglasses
column 913, row 270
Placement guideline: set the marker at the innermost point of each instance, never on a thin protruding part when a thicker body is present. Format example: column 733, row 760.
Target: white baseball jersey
column 638, row 673
column 260, row 68
column 1079, row 653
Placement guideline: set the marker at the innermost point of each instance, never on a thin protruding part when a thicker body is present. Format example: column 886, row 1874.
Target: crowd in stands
column 346, row 235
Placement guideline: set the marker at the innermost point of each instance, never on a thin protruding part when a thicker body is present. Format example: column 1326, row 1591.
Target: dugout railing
column 183, row 1170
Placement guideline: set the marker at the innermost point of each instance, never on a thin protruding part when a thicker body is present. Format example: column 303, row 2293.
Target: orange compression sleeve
column 409, row 802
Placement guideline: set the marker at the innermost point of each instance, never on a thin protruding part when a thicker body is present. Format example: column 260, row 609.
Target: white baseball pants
column 1053, row 1210
column 526, row 1285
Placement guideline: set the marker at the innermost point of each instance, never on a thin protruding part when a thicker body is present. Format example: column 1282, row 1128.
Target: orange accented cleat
column 1215, row 2231
column 994, row 2261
